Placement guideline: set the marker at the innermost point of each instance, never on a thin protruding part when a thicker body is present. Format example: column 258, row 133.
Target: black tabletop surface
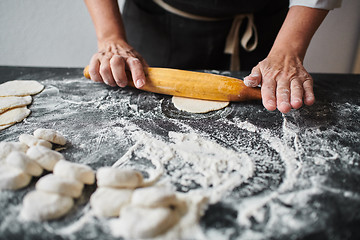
column 306, row 178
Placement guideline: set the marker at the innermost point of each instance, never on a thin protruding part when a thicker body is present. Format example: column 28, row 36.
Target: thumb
column 254, row 79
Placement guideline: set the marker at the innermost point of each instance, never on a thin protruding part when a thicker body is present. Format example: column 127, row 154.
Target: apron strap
column 232, row 40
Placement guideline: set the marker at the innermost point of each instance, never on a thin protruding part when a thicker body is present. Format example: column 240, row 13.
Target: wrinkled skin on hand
column 285, row 83
column 110, row 64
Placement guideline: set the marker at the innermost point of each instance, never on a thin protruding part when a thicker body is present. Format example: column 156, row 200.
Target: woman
column 203, row 34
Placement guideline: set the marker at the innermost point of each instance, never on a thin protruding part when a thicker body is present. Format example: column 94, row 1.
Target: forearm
column 107, row 20
column 297, row 30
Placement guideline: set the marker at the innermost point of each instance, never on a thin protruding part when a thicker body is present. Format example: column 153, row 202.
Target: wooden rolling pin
column 194, row 85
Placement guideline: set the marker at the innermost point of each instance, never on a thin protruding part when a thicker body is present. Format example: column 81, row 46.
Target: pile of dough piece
column 144, row 212
column 54, row 193
column 14, row 97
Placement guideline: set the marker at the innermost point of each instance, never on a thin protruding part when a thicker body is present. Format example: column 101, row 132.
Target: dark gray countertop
column 306, row 176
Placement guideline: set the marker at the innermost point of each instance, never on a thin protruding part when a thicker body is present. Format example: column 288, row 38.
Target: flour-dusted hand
column 285, row 83
column 115, row 55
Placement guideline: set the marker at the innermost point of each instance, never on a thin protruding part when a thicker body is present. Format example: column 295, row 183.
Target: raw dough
column 40, row 206
column 50, row 135
column 107, row 202
column 2, row 127
column 45, row 157
column 140, row 223
column 12, row 178
column 79, row 172
column 156, row 196
column 7, row 103
column 20, row 88
column 197, row 105
column 30, row 140
column 118, row 178
column 14, row 115
column 7, row 147
column 21, row 161
column 59, row 185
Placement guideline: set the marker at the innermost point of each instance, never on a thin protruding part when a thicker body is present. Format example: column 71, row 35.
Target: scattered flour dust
column 202, row 170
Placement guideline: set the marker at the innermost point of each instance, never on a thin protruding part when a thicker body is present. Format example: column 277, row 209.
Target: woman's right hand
column 110, row 63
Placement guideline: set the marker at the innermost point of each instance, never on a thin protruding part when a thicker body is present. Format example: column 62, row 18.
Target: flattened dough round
column 14, row 115
column 50, row 135
column 118, row 178
column 107, row 202
column 20, row 88
column 12, row 178
column 59, row 185
column 155, row 196
column 79, row 172
column 140, row 223
column 7, row 103
column 44, row 156
column 40, row 206
column 21, row 161
column 197, row 105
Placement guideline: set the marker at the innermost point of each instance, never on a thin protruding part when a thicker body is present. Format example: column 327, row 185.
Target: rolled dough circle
column 14, row 115
column 40, row 206
column 20, row 88
column 7, row 103
column 197, row 105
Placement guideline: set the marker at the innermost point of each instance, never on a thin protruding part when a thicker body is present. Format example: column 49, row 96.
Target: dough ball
column 7, row 103
column 40, row 206
column 14, row 115
column 7, row 147
column 107, row 202
column 79, row 172
column 45, row 157
column 50, row 135
column 30, row 140
column 12, row 178
column 21, row 161
column 139, row 222
column 156, row 196
column 197, row 105
column 63, row 186
column 118, row 178
column 20, row 88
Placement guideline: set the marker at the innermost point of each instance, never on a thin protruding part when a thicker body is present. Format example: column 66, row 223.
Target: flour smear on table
column 205, row 167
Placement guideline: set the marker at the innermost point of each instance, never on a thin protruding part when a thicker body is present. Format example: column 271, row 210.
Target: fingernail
column 139, row 83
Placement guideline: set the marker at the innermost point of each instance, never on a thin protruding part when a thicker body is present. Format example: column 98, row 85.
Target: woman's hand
column 110, row 64
column 285, row 83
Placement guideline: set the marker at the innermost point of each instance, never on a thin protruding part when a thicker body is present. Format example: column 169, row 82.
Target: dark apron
column 168, row 40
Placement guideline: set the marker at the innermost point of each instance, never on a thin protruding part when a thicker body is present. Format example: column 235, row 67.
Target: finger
column 283, row 96
column 105, row 72
column 309, row 97
column 297, row 93
column 117, row 65
column 254, row 79
column 137, row 71
column 268, row 94
column 94, row 67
